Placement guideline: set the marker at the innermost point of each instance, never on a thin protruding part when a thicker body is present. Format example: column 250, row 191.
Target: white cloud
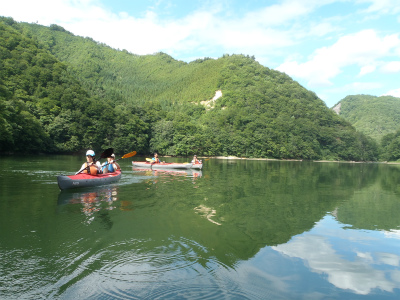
column 356, row 88
column 47, row 12
column 362, row 49
column 381, row 6
column 140, row 36
column 278, row 14
column 367, row 69
column 363, row 86
column 391, row 67
column 321, row 29
column 394, row 93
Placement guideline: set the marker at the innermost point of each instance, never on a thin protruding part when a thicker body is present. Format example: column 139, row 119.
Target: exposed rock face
column 336, row 109
column 210, row 103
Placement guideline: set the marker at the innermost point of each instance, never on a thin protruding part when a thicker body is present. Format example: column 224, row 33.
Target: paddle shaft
column 130, row 154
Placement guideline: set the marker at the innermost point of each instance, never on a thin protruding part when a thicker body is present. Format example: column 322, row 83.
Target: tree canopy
column 371, row 115
column 376, row 117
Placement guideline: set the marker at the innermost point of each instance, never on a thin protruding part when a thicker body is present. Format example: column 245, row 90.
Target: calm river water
column 239, row 229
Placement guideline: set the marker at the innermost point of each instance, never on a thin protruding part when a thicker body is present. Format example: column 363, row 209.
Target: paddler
column 195, row 160
column 155, row 159
column 111, row 165
column 91, row 166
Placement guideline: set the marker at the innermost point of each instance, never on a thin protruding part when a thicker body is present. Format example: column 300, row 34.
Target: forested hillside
column 41, row 104
column 75, row 93
column 371, row 115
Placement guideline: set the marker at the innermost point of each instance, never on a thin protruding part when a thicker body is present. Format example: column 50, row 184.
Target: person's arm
column 98, row 166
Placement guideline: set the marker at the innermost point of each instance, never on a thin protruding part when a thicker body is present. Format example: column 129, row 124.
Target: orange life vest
column 93, row 170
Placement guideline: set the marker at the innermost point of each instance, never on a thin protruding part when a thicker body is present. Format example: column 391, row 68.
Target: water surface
column 238, row 229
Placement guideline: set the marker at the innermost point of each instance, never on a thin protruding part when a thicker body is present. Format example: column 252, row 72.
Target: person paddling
column 111, row 165
column 91, row 166
column 155, row 159
column 195, row 160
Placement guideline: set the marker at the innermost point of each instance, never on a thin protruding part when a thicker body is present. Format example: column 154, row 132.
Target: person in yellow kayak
column 111, row 165
column 91, row 166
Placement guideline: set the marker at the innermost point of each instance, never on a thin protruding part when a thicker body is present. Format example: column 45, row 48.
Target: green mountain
column 371, row 115
column 80, row 93
column 39, row 100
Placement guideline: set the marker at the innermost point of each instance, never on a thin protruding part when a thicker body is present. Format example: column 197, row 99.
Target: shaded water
column 239, row 229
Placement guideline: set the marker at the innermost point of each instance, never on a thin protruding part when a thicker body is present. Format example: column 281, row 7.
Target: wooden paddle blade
column 129, row 154
column 149, row 159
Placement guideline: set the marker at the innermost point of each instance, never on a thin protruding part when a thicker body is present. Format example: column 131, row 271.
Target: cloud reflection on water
column 339, row 254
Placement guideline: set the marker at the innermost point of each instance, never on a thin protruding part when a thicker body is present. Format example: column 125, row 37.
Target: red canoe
column 85, row 180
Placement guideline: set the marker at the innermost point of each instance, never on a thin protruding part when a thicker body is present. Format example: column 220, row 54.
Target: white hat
column 90, row 153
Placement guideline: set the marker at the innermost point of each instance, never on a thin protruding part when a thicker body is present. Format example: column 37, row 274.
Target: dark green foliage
column 43, row 108
column 391, row 147
column 85, row 94
column 371, row 115
column 376, row 117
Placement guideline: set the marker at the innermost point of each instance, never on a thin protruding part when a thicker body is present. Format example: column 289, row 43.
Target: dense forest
column 371, row 115
column 377, row 117
column 61, row 93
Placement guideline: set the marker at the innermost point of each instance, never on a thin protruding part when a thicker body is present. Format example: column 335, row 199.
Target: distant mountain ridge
column 371, row 115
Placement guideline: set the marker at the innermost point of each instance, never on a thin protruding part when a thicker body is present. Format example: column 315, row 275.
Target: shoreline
column 317, row 161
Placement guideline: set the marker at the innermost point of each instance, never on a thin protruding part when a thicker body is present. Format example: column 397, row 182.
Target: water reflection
column 350, row 259
column 95, row 201
column 207, row 212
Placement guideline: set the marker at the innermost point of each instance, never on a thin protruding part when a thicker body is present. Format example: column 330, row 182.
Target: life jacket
column 110, row 168
column 92, row 170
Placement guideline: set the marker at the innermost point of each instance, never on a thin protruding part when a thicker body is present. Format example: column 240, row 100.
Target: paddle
column 130, row 154
column 105, row 154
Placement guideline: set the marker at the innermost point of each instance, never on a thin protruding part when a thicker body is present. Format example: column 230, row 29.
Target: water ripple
column 166, row 259
column 178, row 270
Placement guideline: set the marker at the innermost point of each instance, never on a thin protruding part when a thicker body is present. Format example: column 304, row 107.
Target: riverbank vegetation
column 61, row 93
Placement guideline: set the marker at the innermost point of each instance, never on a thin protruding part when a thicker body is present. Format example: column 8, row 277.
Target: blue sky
column 332, row 47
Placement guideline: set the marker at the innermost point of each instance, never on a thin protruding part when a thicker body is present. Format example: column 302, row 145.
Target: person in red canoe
column 91, row 166
column 111, row 165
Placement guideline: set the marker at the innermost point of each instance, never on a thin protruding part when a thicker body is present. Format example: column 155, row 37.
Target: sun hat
column 90, row 153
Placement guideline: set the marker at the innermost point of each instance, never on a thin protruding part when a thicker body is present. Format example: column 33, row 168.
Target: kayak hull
column 86, row 180
column 166, row 166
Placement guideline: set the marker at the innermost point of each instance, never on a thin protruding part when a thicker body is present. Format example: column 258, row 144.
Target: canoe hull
column 166, row 166
column 86, row 180
column 174, row 172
